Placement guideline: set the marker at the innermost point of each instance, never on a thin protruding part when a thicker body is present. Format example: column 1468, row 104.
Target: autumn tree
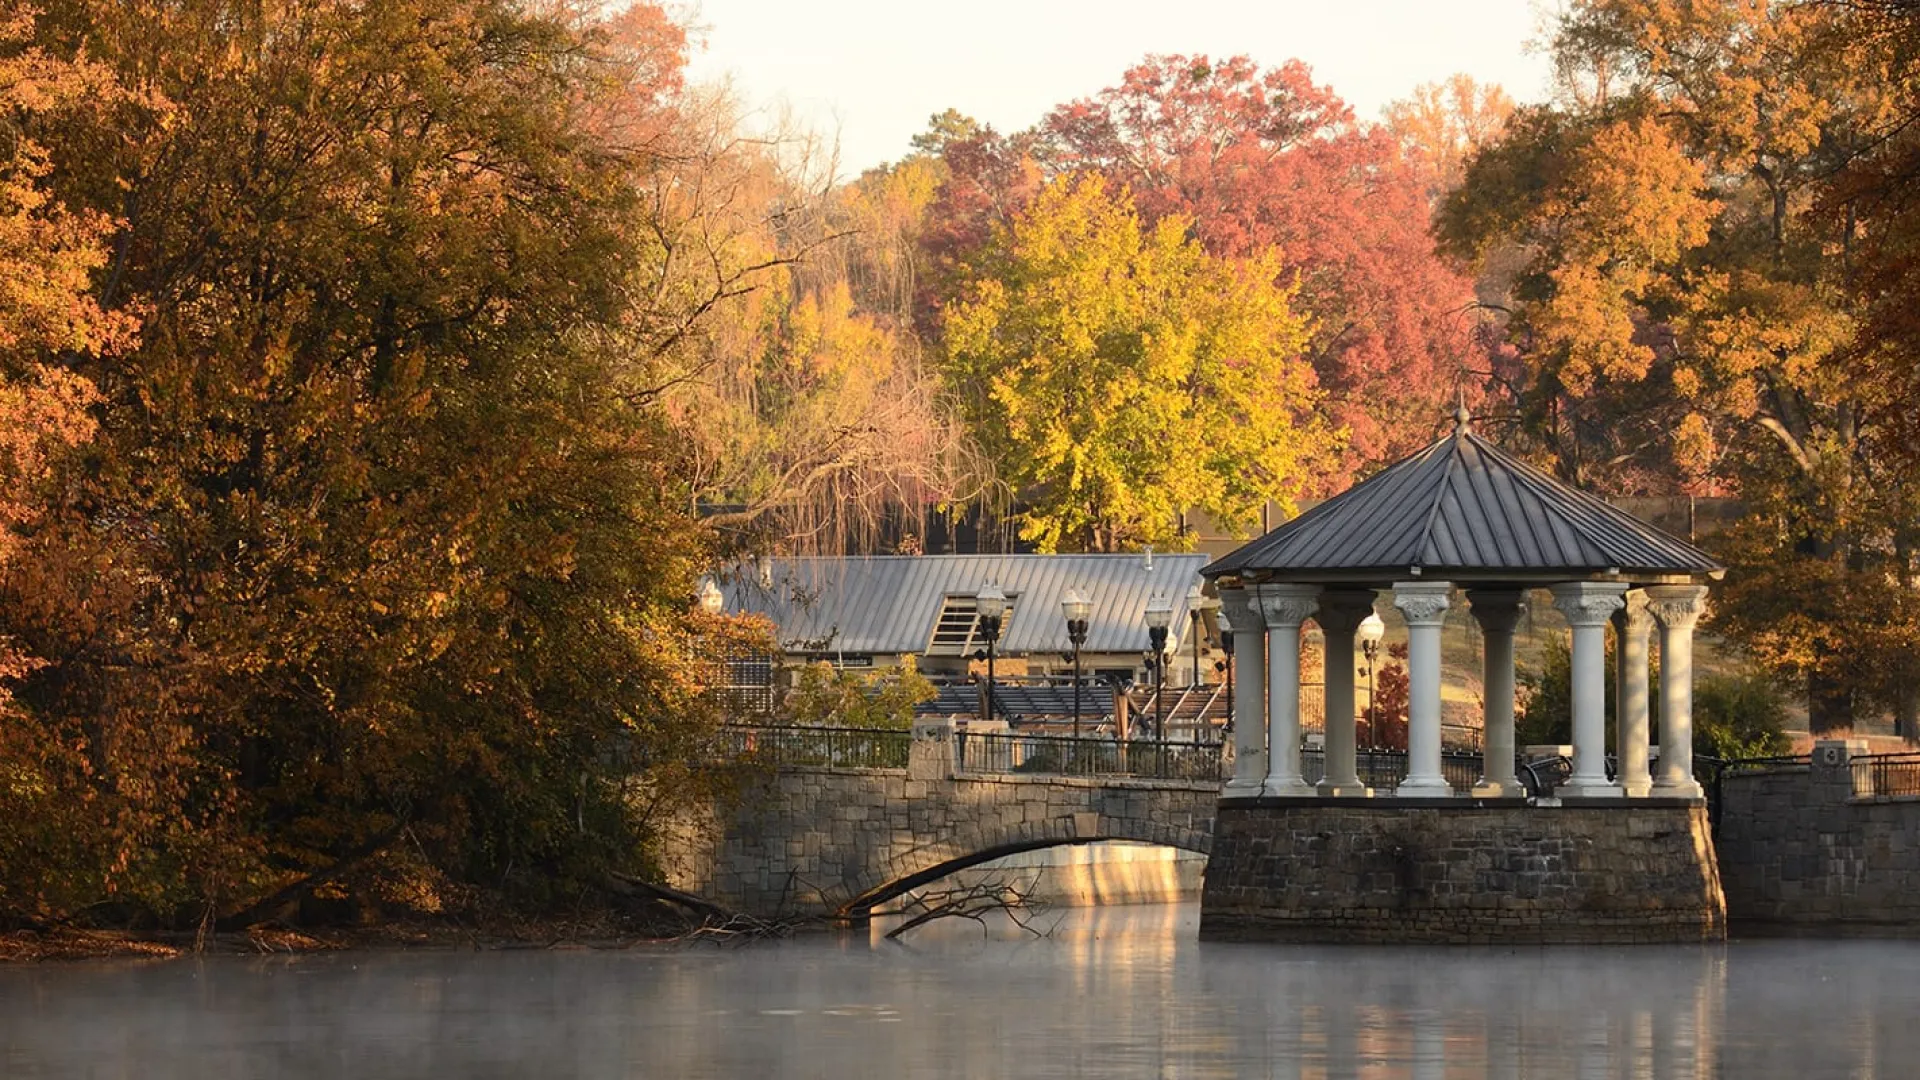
column 1118, row 374
column 380, row 557
column 1257, row 159
column 799, row 390
column 49, row 253
column 1443, row 124
column 1684, row 307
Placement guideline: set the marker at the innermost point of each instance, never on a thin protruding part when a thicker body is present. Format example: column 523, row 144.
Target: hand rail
column 847, row 748
column 1887, row 774
column 1060, row 755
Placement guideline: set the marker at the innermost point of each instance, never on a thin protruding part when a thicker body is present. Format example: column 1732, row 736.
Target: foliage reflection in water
column 1112, row 992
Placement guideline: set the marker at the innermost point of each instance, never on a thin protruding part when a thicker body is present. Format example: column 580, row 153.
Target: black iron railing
column 1054, row 755
column 1384, row 769
column 1887, row 774
column 845, row 748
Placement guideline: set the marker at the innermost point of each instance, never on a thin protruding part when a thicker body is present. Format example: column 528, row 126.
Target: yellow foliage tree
column 1119, row 375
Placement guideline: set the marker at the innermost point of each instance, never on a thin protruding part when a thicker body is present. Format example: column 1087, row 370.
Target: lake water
column 1112, row 992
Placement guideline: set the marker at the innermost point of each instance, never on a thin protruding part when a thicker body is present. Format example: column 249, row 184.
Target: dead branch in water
column 974, row 902
column 741, row 929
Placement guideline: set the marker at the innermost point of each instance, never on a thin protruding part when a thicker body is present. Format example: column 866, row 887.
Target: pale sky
column 875, row 70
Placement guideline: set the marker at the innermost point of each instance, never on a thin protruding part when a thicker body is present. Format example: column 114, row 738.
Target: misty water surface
column 1114, row 992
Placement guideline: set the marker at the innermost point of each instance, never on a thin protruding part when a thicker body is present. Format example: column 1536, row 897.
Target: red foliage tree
column 1267, row 157
column 1384, row 724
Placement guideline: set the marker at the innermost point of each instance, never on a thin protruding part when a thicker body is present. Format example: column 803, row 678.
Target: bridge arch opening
column 1147, row 879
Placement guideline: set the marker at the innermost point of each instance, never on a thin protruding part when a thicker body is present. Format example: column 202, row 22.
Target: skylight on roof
column 956, row 632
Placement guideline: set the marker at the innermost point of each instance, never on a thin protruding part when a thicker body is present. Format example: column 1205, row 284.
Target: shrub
column 827, row 697
column 1738, row 716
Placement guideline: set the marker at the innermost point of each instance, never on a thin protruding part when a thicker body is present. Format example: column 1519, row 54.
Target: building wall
column 1811, row 848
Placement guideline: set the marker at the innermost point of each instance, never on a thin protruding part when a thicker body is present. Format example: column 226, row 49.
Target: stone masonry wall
column 1497, row 873
column 1804, row 848
column 836, row 841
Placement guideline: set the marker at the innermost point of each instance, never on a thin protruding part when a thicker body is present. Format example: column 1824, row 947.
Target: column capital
column 1241, row 606
column 1285, row 606
column 1633, row 616
column 1424, row 603
column 1589, row 603
column 1341, row 611
column 1496, row 610
column 1677, row 606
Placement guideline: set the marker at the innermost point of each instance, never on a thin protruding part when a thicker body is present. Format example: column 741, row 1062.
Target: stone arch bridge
column 840, row 822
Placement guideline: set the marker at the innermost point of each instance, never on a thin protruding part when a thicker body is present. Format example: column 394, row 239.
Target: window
column 957, row 631
column 747, row 689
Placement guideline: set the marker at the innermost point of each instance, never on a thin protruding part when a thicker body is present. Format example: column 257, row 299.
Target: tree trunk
column 1829, row 705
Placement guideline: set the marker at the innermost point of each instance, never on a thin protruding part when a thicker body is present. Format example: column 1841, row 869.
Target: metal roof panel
column 889, row 603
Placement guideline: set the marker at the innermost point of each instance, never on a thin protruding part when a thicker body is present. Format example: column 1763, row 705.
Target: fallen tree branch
column 262, row 909
column 740, row 929
column 974, row 902
column 666, row 894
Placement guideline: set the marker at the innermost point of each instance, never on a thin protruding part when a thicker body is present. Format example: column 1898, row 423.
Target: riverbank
column 66, row 943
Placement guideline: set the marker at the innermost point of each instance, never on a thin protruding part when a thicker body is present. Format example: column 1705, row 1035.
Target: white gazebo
column 1463, row 515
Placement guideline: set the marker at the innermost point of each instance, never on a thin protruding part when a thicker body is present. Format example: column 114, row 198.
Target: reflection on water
column 1112, row 992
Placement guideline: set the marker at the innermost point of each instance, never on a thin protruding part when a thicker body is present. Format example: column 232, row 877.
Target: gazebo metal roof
column 1463, row 509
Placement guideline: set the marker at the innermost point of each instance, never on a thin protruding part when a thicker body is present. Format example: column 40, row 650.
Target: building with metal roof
column 1464, row 520
column 870, row 611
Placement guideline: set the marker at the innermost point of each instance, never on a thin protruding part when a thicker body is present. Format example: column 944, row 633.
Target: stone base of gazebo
column 1466, row 871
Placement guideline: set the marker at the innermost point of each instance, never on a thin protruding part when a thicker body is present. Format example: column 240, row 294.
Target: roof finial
column 1462, row 419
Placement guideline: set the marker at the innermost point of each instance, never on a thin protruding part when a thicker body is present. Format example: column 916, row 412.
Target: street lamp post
column 1159, row 617
column 1226, row 665
column 990, row 604
column 1371, row 631
column 1076, row 608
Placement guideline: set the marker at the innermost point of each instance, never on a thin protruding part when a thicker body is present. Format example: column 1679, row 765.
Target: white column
column 1497, row 611
column 1677, row 607
column 1424, row 603
column 1249, row 693
column 1284, row 608
column 1588, row 605
column 1339, row 615
column 1631, row 628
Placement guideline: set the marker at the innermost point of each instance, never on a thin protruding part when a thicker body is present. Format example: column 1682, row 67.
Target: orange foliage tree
column 1690, row 304
column 380, row 561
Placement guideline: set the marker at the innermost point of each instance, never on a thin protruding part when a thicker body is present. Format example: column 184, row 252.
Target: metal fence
column 1054, row 755
column 1384, row 769
column 847, row 748
column 1887, row 774
column 1313, row 707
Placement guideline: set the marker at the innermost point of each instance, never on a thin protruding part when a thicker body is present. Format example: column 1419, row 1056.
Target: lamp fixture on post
column 990, row 605
column 1159, row 617
column 1076, row 608
column 711, row 600
column 1371, row 631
